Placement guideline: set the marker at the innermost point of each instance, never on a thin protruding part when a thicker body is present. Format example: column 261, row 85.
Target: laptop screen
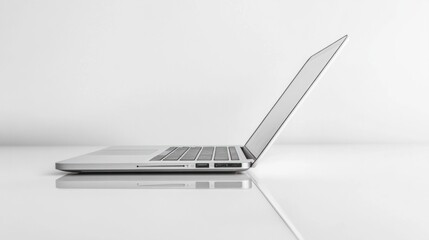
column 290, row 98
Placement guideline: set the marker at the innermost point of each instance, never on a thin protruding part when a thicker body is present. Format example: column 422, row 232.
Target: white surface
column 109, row 72
column 327, row 192
column 351, row 192
column 32, row 207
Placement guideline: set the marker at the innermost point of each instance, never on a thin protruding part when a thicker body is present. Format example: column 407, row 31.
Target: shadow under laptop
column 155, row 181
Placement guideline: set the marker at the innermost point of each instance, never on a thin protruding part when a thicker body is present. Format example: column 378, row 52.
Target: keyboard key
column 191, row 155
column 176, row 154
column 233, row 152
column 160, row 156
column 206, row 153
column 221, row 153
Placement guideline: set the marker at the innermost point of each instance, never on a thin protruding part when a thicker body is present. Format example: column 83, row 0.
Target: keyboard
column 197, row 154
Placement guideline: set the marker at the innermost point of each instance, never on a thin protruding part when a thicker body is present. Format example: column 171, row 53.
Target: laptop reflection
column 154, row 181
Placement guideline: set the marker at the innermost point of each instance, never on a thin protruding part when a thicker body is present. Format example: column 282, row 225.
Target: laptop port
column 227, row 165
column 202, row 165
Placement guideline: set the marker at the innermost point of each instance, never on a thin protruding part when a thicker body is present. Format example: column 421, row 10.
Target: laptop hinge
column 247, row 153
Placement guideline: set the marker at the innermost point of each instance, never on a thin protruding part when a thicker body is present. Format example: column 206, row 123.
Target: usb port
column 202, row 165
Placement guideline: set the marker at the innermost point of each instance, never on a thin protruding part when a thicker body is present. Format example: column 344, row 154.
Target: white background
column 206, row 72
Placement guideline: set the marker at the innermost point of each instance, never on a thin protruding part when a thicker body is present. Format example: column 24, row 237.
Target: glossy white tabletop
column 322, row 191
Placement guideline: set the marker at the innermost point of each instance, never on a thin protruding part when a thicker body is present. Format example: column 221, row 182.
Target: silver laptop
column 210, row 158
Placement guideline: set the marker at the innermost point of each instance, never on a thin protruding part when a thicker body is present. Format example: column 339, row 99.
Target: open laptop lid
column 273, row 122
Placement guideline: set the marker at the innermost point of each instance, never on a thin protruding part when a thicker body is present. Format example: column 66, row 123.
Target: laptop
column 210, row 158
